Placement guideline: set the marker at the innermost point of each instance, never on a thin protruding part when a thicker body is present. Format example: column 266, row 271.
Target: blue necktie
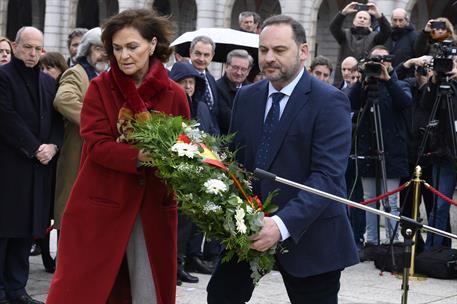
column 269, row 126
column 207, row 96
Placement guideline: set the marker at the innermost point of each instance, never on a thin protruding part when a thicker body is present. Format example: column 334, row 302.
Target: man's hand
column 267, row 237
column 373, row 10
column 384, row 73
column 45, row 153
column 419, row 61
column 349, row 9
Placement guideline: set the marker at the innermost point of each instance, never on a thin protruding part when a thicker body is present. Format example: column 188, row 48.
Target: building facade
column 58, row 17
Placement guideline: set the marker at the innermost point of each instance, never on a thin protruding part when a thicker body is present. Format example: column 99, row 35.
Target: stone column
column 55, row 25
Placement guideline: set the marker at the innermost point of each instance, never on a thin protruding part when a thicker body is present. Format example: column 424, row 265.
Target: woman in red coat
column 118, row 237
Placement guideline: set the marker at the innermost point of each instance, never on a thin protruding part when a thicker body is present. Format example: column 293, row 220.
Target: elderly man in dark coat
column 401, row 41
column 30, row 134
column 357, row 40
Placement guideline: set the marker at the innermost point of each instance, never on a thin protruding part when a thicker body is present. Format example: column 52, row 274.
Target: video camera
column 443, row 56
column 371, row 66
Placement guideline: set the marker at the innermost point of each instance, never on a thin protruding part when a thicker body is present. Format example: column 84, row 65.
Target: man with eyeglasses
column 237, row 69
column 30, row 134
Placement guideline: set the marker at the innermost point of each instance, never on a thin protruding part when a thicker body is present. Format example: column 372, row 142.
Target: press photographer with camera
column 379, row 100
column 440, row 100
column 417, row 118
column 357, row 40
column 435, row 31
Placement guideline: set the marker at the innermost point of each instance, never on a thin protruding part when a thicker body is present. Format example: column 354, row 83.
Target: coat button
column 141, row 181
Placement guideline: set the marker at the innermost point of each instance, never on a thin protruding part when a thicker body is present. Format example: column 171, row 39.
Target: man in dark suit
column 237, row 68
column 201, row 54
column 299, row 128
column 30, row 133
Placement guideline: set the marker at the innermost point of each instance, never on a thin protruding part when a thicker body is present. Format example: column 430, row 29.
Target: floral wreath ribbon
column 209, row 157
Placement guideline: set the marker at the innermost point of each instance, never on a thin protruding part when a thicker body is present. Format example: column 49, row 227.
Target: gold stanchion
column 415, row 211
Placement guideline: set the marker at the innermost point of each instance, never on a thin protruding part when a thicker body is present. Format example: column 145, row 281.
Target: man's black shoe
column 35, row 250
column 5, row 301
column 178, row 282
column 186, row 277
column 195, row 264
column 25, row 299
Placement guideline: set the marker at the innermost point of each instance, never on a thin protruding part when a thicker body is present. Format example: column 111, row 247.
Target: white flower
column 239, row 220
column 211, row 207
column 215, row 186
column 194, row 134
column 184, row 149
column 249, row 209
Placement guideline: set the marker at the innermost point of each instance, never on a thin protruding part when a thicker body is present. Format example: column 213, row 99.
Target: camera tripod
column 372, row 104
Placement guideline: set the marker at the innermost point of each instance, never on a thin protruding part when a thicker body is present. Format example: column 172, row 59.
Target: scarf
column 138, row 102
column 360, row 30
column 90, row 70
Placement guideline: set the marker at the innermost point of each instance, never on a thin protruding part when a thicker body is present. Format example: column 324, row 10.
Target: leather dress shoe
column 178, row 282
column 195, row 264
column 35, row 250
column 25, row 299
column 184, row 276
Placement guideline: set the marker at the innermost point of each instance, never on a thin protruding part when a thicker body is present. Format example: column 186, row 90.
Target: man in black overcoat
column 30, row 134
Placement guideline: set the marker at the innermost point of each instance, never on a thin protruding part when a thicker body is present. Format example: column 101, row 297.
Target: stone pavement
column 360, row 284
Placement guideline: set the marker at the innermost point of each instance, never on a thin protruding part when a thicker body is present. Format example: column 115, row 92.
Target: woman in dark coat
column 118, row 208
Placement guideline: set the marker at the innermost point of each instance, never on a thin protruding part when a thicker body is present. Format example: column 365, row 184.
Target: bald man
column 30, row 134
column 360, row 38
column 401, row 41
column 347, row 68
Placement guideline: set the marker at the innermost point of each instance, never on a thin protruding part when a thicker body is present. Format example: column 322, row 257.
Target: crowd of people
column 65, row 154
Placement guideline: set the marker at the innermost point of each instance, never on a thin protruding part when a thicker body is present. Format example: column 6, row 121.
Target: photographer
column 380, row 90
column 435, row 31
column 417, row 119
column 357, row 40
column 440, row 146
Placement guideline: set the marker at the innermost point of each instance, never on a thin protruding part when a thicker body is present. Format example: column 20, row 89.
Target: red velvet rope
column 444, row 197
column 380, row 197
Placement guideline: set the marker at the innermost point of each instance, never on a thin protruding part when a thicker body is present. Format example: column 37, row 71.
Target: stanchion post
column 415, row 211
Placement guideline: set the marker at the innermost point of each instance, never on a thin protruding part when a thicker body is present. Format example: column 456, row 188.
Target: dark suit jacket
column 226, row 92
column 310, row 146
column 199, row 96
column 26, row 122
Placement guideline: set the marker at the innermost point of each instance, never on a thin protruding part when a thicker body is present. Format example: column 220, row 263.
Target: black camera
column 443, row 56
column 371, row 67
column 361, row 7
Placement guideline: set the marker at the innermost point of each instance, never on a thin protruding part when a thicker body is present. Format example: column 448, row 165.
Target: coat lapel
column 296, row 101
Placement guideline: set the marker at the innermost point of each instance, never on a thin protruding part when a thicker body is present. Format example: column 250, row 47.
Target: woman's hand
column 144, row 156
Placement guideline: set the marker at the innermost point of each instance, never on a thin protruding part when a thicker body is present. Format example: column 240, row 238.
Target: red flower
column 183, row 138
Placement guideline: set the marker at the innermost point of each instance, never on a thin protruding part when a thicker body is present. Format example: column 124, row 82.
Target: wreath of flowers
column 210, row 186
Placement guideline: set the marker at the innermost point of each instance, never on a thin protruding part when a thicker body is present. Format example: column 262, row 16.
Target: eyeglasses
column 238, row 68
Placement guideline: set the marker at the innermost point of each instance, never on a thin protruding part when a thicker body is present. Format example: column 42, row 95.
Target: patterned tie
column 207, row 96
column 269, row 126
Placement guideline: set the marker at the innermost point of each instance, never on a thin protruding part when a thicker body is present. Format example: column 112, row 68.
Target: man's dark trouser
column 231, row 284
column 14, row 266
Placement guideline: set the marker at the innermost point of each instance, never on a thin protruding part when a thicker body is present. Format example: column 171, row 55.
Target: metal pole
column 415, row 209
column 265, row 174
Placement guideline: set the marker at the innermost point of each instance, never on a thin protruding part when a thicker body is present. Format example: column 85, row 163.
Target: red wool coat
column 109, row 193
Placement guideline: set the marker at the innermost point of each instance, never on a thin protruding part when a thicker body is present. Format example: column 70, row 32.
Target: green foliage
column 207, row 193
